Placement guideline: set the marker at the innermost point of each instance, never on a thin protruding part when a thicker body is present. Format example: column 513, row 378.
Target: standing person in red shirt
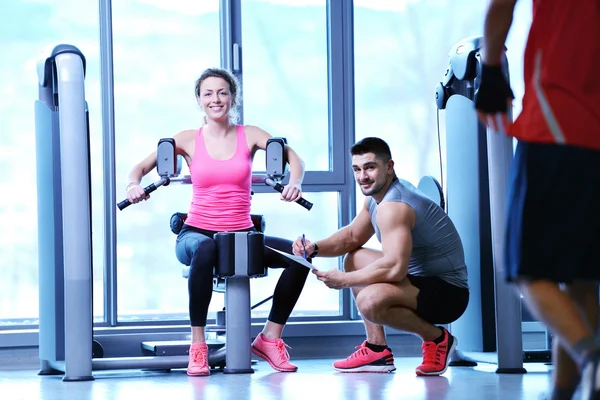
column 553, row 224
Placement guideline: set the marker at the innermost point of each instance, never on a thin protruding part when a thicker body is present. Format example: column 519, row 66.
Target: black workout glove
column 494, row 93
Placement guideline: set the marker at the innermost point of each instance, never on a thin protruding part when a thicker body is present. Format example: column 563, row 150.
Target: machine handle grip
column 124, row 204
column 147, row 190
column 302, row 201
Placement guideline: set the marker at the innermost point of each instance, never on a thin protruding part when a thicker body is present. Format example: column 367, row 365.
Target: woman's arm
column 296, row 166
column 293, row 190
column 135, row 192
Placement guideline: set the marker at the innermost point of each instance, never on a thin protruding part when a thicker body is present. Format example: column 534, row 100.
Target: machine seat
column 177, row 221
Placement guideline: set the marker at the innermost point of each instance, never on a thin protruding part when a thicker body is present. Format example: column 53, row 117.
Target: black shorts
column 438, row 301
column 553, row 223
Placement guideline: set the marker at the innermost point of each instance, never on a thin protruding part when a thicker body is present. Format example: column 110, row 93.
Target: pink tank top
column 221, row 188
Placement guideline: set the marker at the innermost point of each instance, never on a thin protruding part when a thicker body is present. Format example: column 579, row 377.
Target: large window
column 155, row 72
column 285, row 92
column 160, row 49
column 285, row 75
column 26, row 30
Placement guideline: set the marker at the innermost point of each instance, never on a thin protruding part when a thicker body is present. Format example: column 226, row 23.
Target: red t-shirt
column 562, row 75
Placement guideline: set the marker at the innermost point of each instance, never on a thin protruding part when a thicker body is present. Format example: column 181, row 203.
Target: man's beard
column 374, row 189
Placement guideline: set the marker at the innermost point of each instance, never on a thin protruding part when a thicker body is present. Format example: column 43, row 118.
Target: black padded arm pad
column 177, row 221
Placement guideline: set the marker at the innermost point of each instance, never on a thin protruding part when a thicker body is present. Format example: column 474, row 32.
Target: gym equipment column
column 64, row 232
column 477, row 167
column 240, row 256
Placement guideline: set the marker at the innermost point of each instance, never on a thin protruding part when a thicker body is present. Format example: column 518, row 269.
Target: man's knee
column 370, row 304
column 349, row 261
column 359, row 258
column 585, row 295
column 582, row 289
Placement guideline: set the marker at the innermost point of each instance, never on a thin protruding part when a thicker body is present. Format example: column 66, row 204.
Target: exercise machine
column 478, row 162
column 64, row 221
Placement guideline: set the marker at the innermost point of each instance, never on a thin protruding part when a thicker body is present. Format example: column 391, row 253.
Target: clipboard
column 298, row 259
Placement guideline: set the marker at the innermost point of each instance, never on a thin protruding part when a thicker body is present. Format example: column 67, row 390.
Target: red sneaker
column 366, row 360
column 436, row 356
column 273, row 352
column 198, row 364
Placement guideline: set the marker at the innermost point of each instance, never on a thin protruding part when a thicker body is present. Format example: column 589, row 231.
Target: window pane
column 396, row 72
column 27, row 29
column 160, row 49
column 285, row 75
column 288, row 221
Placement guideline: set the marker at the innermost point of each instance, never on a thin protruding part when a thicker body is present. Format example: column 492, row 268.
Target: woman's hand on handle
column 135, row 193
column 291, row 192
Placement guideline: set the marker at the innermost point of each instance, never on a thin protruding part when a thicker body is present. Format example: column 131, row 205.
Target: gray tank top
column 437, row 248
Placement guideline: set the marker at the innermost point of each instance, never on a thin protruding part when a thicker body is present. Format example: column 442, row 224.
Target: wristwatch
column 315, row 252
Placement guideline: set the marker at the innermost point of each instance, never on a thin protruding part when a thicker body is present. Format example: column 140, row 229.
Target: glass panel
column 289, row 220
column 285, row 75
column 160, row 49
column 26, row 29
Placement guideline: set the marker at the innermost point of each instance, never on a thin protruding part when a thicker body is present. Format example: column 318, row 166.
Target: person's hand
column 493, row 98
column 291, row 192
column 135, row 194
column 333, row 278
column 298, row 248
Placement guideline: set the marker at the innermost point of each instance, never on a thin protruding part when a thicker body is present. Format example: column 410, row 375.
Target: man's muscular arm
column 347, row 239
column 395, row 221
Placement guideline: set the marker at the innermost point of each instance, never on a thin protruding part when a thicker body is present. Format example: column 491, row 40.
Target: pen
column 304, row 246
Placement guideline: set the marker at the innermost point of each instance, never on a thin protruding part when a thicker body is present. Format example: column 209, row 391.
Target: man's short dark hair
column 373, row 145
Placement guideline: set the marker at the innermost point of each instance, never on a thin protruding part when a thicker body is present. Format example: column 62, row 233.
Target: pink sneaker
column 437, row 356
column 274, row 352
column 366, row 360
column 198, row 364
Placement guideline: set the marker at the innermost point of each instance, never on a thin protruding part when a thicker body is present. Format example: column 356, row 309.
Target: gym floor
column 315, row 379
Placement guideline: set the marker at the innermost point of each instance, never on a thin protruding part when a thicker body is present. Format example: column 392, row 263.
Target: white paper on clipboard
column 298, row 259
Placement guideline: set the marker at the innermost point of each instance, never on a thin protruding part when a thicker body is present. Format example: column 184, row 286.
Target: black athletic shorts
column 438, row 301
column 553, row 225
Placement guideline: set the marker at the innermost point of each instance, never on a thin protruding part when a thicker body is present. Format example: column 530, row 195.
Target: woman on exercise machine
column 219, row 155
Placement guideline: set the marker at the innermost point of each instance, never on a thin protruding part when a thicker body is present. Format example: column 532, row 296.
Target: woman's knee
column 196, row 251
column 184, row 249
column 278, row 243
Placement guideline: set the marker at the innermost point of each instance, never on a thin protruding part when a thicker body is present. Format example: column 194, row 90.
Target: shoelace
column 362, row 351
column 430, row 353
column 199, row 357
column 281, row 350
